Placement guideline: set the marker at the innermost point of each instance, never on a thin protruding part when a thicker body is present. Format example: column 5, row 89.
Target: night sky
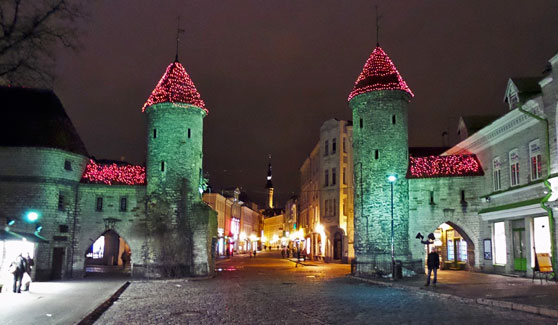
column 271, row 72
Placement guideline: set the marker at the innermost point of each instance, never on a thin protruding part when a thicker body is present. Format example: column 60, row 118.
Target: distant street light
column 391, row 179
column 32, row 216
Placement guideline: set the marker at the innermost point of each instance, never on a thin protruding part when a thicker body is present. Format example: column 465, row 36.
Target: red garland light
column 379, row 73
column 175, row 87
column 113, row 174
column 444, row 166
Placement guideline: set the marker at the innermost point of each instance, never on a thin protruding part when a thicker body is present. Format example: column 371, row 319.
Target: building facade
column 326, row 200
column 78, row 212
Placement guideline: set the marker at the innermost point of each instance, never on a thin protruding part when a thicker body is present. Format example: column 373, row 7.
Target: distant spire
column 378, row 16
column 269, row 186
column 178, row 31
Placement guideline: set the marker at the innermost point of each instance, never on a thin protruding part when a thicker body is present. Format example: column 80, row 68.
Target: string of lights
column 175, row 87
column 444, row 166
column 113, row 174
column 379, row 73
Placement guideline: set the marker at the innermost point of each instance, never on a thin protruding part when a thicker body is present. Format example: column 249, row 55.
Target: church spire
column 269, row 185
column 178, row 31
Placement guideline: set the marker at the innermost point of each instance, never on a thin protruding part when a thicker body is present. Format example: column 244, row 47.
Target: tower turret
column 379, row 103
column 175, row 113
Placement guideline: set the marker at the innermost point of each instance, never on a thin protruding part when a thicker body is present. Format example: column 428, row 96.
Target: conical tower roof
column 175, row 87
column 379, row 73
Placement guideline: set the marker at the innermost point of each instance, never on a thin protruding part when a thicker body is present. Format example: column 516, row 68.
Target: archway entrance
column 454, row 246
column 108, row 254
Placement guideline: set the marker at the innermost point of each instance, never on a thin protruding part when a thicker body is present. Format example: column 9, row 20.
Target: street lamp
column 391, row 179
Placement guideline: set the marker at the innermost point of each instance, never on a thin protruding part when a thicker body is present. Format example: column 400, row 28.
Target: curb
column 95, row 314
column 542, row 311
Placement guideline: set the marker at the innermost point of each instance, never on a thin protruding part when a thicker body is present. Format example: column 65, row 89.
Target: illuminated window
column 462, row 250
column 500, row 243
column 514, row 167
column 97, row 250
column 535, row 159
column 496, row 168
column 541, row 235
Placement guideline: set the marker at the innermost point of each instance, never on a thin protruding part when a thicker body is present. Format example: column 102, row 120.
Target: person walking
column 28, row 265
column 19, row 266
column 433, row 263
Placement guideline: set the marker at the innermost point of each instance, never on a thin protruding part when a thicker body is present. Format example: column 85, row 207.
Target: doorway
column 57, row 262
column 108, row 254
column 337, row 246
column 518, row 241
column 453, row 245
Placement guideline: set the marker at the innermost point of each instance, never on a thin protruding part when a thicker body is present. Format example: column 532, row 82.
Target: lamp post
column 391, row 180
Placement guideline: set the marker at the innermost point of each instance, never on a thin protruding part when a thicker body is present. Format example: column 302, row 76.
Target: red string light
column 444, row 166
column 175, row 87
column 379, row 73
column 113, row 174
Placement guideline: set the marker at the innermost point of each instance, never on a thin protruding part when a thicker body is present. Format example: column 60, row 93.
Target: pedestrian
column 124, row 258
column 18, row 267
column 282, row 253
column 433, row 263
column 29, row 263
column 254, row 252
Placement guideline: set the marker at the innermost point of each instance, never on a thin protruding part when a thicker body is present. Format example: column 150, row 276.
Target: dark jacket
column 433, row 261
column 21, row 264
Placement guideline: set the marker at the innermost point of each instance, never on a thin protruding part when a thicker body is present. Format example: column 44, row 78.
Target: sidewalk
column 57, row 302
column 487, row 289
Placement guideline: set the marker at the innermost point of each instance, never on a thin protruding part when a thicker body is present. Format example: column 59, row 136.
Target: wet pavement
column 271, row 290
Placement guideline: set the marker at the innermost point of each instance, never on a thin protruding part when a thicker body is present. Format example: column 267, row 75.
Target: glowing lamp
column 10, row 222
column 392, row 178
column 38, row 228
column 32, row 216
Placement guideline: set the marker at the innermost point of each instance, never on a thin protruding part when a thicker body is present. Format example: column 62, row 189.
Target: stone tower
column 179, row 224
column 379, row 103
column 269, row 187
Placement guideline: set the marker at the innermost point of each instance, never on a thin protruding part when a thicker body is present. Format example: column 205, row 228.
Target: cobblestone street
column 271, row 290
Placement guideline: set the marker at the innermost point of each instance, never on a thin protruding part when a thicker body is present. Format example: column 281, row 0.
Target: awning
column 17, row 235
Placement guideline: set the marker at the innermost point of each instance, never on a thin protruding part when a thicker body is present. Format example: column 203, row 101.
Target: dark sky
column 271, row 72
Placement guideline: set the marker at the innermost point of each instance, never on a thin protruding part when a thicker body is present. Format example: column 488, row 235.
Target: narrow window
column 333, row 176
column 63, row 228
column 333, row 145
column 123, row 204
column 334, row 207
column 463, row 196
column 162, row 166
column 326, row 178
column 344, row 176
column 99, row 204
column 67, row 165
column 535, row 159
column 344, row 145
column 189, row 133
column 361, row 123
column 496, row 167
column 432, row 198
column 393, row 119
column 60, row 202
column 376, row 154
column 154, row 133
column 326, row 149
column 514, row 167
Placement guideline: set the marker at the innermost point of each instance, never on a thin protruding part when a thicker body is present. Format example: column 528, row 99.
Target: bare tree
column 30, row 32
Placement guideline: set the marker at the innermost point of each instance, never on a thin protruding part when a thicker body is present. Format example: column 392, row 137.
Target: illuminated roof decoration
column 113, row 173
column 379, row 73
column 444, row 166
column 175, row 87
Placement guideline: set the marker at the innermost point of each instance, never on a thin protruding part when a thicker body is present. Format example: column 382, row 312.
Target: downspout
column 72, row 251
column 547, row 184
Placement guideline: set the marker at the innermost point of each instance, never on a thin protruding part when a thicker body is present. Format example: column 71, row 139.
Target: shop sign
column 543, row 263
